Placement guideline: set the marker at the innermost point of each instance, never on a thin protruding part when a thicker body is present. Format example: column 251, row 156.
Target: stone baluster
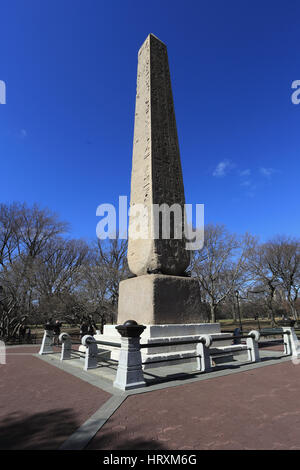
column 130, row 372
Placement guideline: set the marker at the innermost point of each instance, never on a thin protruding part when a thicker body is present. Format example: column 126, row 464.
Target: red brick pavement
column 255, row 409
column 41, row 405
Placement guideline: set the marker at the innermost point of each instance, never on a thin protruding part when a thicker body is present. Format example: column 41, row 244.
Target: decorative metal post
column 130, row 372
column 238, row 308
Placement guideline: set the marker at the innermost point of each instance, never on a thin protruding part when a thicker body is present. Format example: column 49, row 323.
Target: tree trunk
column 213, row 313
column 272, row 317
column 293, row 310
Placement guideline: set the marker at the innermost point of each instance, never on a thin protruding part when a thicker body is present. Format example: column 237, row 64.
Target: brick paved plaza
column 49, row 405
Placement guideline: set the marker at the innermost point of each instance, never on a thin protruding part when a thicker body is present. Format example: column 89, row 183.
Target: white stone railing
column 130, row 366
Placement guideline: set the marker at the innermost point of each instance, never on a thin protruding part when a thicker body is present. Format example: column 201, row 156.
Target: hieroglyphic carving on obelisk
column 156, row 169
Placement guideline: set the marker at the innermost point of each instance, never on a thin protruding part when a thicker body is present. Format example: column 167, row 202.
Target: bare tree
column 9, row 221
column 264, row 279
column 275, row 267
column 24, row 233
column 219, row 264
column 35, row 227
column 58, row 266
column 283, row 260
column 112, row 256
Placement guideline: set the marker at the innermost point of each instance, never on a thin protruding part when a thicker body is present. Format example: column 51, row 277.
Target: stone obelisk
column 160, row 293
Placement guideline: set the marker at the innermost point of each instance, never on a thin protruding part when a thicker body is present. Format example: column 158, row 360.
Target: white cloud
column 245, row 172
column 267, row 172
column 222, row 168
column 23, row 133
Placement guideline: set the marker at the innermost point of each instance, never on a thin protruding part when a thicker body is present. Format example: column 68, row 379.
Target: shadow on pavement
column 46, row 430
column 153, row 378
column 118, row 441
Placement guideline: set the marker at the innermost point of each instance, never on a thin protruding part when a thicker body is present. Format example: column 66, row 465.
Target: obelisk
column 160, row 293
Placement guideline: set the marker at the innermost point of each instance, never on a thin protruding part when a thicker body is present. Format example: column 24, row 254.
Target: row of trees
column 265, row 276
column 44, row 273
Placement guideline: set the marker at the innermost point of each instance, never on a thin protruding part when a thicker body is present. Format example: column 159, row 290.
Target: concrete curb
column 83, row 435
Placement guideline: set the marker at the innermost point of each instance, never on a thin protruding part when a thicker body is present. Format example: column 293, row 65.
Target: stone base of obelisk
column 157, row 299
column 169, row 306
column 168, row 355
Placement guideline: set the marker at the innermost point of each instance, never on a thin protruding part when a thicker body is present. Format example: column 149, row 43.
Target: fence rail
column 170, row 343
column 130, row 364
column 106, row 343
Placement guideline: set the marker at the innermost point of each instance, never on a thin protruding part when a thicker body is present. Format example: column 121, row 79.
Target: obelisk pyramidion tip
column 155, row 37
column 149, row 38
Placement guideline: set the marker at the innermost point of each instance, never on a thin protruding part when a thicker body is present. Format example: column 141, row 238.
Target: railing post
column 130, row 371
column 91, row 353
column 287, row 342
column 47, row 343
column 291, row 342
column 202, row 351
column 252, row 344
column 65, row 339
column 2, row 352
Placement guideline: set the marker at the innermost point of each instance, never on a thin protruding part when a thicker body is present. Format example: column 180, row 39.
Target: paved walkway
column 41, row 405
column 255, row 409
column 48, row 404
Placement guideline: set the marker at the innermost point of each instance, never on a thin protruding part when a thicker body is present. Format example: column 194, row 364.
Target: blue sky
column 70, row 70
